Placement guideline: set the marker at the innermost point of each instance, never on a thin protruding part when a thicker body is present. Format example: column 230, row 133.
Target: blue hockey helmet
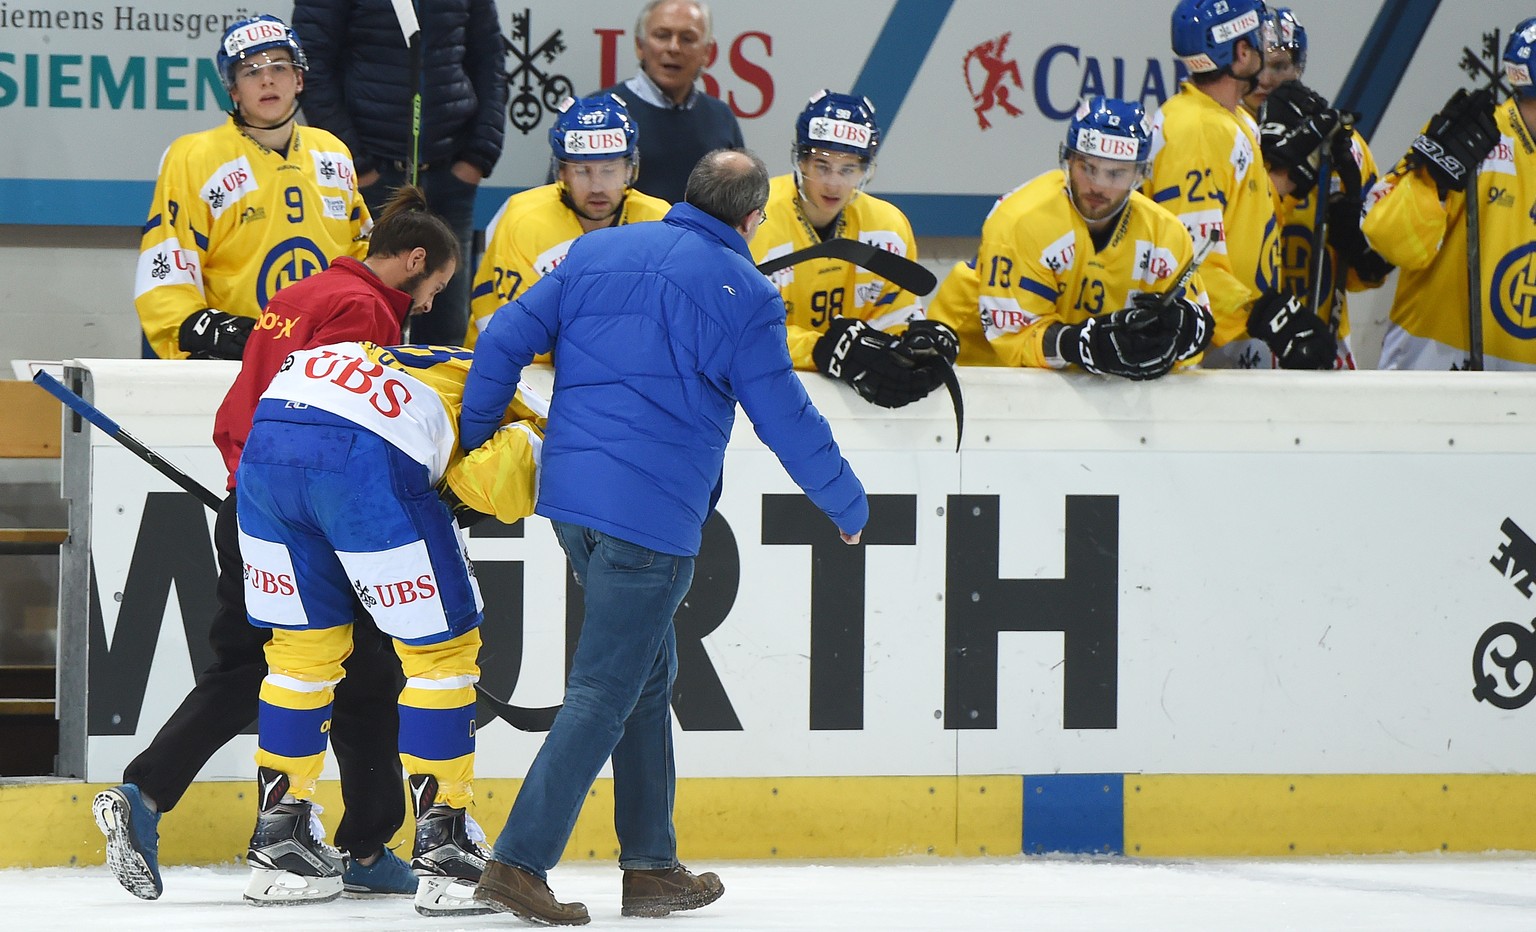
column 1518, row 55
column 1206, row 32
column 256, row 34
column 838, row 123
column 594, row 129
column 1109, row 128
column 1290, row 35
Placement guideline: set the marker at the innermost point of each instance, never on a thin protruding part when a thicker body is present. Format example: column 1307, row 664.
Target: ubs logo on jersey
column 294, row 259
column 534, row 90
column 1512, row 292
column 386, row 393
column 180, row 260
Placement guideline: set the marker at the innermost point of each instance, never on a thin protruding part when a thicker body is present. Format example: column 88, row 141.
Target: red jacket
column 345, row 302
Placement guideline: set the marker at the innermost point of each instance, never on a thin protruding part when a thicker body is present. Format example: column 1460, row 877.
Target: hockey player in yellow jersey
column 1289, row 128
column 245, row 208
column 595, row 155
column 1074, row 264
column 336, row 507
column 1206, row 169
column 1417, row 218
column 831, row 303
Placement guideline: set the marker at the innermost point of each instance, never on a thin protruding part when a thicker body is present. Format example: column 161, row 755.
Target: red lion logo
column 993, row 93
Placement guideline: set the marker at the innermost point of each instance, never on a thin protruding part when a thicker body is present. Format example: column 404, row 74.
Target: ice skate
column 448, row 856
column 290, row 861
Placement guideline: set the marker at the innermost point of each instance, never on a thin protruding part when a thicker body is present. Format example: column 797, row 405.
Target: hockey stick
column 1473, row 65
column 898, row 270
column 94, row 414
column 1190, row 268
column 410, row 28
column 522, row 719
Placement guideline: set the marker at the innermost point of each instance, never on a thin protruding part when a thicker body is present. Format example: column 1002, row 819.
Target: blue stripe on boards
column 1383, row 59
column 898, row 53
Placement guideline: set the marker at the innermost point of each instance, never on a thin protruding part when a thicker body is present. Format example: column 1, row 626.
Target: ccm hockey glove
column 1135, row 343
column 1296, row 125
column 870, row 361
column 925, row 339
column 1457, row 139
column 1297, row 337
column 211, row 334
column 1192, row 324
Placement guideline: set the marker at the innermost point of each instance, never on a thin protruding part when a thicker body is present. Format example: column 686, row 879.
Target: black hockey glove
column 925, row 339
column 1350, row 245
column 1192, row 324
column 1296, row 126
column 1457, row 139
column 1135, row 343
column 867, row 359
column 211, row 334
column 1297, row 337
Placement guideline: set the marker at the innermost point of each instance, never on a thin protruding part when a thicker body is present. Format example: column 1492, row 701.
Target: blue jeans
column 454, row 201
column 618, row 703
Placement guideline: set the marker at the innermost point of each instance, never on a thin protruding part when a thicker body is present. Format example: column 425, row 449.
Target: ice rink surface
column 1392, row 894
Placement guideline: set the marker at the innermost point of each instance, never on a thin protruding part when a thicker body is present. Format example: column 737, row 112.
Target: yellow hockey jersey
column 956, row 304
column 817, row 291
column 1297, row 219
column 1206, row 169
column 1408, row 224
column 410, row 396
column 232, row 222
column 1037, row 265
column 527, row 238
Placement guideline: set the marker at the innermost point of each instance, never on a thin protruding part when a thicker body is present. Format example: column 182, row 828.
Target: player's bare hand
column 850, row 538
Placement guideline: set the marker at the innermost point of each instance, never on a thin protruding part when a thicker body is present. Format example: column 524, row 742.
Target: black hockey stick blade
column 952, row 383
column 529, row 720
column 112, row 429
column 898, row 270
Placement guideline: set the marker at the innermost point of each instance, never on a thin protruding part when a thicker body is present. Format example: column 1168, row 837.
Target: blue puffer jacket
column 359, row 81
column 659, row 329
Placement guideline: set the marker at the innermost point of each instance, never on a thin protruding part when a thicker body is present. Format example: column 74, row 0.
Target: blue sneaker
column 133, row 839
column 387, row 876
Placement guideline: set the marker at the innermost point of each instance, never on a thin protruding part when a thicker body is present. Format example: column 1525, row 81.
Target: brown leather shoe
column 509, row 889
column 659, row 892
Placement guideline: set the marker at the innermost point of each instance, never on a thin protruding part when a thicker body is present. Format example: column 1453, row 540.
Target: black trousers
column 365, row 724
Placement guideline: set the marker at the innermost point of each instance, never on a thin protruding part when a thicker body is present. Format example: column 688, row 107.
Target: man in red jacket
column 412, row 255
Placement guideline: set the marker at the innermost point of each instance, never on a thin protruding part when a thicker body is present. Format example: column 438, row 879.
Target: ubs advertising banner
column 1214, row 573
column 973, row 96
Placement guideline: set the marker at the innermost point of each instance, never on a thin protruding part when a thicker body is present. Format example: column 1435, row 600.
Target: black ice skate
column 290, row 861
column 448, row 855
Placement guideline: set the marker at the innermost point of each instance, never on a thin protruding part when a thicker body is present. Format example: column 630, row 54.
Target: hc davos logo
column 534, row 91
column 1512, row 292
column 985, row 68
column 292, row 260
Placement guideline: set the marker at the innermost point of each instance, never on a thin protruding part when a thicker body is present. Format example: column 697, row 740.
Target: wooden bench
column 29, row 429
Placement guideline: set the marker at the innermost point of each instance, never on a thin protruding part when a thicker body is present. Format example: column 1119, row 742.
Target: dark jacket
column 359, row 80
column 659, row 330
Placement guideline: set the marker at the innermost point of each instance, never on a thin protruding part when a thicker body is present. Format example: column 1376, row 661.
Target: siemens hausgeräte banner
column 973, row 96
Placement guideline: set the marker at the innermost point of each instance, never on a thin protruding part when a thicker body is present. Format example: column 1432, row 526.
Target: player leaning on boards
column 338, row 504
column 660, row 330
column 1299, row 134
column 1074, row 265
column 246, row 208
column 594, row 156
column 1206, row 169
column 843, row 320
column 1417, row 218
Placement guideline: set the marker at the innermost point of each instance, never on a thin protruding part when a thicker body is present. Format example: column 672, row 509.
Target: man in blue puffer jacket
column 359, row 88
column 660, row 329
